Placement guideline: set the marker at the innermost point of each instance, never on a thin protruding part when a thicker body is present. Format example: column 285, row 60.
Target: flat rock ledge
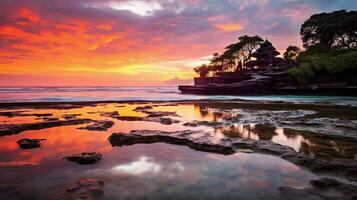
column 85, row 188
column 98, row 126
column 178, row 138
column 114, row 114
column 85, row 158
column 214, row 124
column 26, row 143
column 152, row 116
column 10, row 129
column 323, row 188
column 202, row 141
column 161, row 120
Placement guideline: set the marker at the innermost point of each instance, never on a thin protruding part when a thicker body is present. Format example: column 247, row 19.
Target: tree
column 216, row 63
column 291, row 54
column 241, row 52
column 332, row 30
column 331, row 62
column 202, row 70
column 248, row 45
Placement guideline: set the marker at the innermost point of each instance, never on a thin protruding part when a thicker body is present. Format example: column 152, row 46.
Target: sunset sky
column 134, row 42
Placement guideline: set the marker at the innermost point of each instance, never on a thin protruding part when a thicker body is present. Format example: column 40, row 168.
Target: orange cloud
column 229, row 26
column 96, row 43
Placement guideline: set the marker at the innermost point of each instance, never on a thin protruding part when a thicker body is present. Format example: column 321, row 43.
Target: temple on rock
column 265, row 58
column 264, row 68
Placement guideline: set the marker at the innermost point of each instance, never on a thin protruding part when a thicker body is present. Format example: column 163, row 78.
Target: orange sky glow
column 131, row 42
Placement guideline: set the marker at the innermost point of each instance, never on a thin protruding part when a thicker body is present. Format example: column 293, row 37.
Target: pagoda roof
column 266, row 48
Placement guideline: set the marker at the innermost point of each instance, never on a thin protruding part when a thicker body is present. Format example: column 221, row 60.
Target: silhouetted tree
column 241, row 52
column 216, row 63
column 332, row 30
column 202, row 70
column 291, row 54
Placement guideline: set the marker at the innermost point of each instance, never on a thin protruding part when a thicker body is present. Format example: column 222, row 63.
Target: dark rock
column 85, row 158
column 26, row 143
column 10, row 129
column 114, row 114
column 49, row 118
column 146, row 110
column 85, row 188
column 70, row 116
column 11, row 113
column 142, row 108
column 165, row 121
column 99, row 126
column 341, row 167
column 160, row 114
column 21, row 114
column 131, row 118
column 324, row 188
column 178, row 138
column 196, row 123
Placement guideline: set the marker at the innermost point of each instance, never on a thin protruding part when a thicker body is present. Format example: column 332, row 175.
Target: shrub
column 310, row 64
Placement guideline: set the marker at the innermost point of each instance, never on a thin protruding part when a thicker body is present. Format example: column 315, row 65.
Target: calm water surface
column 158, row 93
column 160, row 171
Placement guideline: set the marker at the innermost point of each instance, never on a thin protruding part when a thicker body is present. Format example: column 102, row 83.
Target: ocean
column 141, row 93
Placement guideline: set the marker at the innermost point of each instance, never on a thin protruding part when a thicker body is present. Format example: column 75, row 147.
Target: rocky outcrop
column 196, row 123
column 10, row 129
column 85, row 158
column 161, row 120
column 151, row 114
column 299, row 119
column 48, row 118
column 114, row 114
column 324, row 188
column 26, row 143
column 98, row 126
column 22, row 114
column 178, row 138
column 85, row 188
column 203, row 141
column 160, row 114
column 70, row 116
column 165, row 121
column 142, row 108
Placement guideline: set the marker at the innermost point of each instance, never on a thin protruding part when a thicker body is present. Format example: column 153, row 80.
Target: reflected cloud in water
column 141, row 166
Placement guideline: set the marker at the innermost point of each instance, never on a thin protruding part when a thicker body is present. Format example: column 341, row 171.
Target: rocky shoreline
column 320, row 123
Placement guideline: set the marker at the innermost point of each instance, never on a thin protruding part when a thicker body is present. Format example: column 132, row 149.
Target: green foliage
column 332, row 62
column 291, row 54
column 304, row 73
column 332, row 30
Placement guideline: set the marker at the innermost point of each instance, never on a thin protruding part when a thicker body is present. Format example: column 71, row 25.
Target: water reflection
column 170, row 171
column 141, row 166
column 165, row 171
column 80, row 140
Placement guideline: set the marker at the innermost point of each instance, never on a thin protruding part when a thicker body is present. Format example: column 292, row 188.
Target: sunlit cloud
column 116, row 41
column 142, row 8
column 229, row 26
